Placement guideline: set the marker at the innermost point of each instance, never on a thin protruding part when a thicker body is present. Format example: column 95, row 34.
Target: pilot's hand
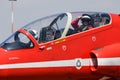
column 79, row 17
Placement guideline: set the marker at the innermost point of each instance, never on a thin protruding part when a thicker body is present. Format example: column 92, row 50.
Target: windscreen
column 17, row 41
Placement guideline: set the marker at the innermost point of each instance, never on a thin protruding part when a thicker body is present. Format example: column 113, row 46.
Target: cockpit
column 49, row 28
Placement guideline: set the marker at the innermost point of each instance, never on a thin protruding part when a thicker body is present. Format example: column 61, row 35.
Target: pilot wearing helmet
column 86, row 23
column 34, row 33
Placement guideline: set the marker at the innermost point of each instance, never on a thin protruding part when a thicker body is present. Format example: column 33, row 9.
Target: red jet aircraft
column 50, row 49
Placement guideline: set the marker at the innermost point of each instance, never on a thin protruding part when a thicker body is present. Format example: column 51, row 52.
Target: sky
column 26, row 11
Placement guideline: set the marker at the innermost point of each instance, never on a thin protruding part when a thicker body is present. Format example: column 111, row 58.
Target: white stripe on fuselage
column 64, row 63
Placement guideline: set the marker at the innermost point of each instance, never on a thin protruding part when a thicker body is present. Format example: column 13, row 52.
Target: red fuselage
column 90, row 55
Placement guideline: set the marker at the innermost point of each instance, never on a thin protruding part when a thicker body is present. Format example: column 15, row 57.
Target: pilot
column 86, row 23
column 34, row 33
column 104, row 19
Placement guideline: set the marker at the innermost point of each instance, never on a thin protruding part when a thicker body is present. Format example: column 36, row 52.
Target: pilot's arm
column 75, row 22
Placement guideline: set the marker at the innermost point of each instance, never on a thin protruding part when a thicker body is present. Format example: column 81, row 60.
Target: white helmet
column 34, row 33
column 86, row 19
